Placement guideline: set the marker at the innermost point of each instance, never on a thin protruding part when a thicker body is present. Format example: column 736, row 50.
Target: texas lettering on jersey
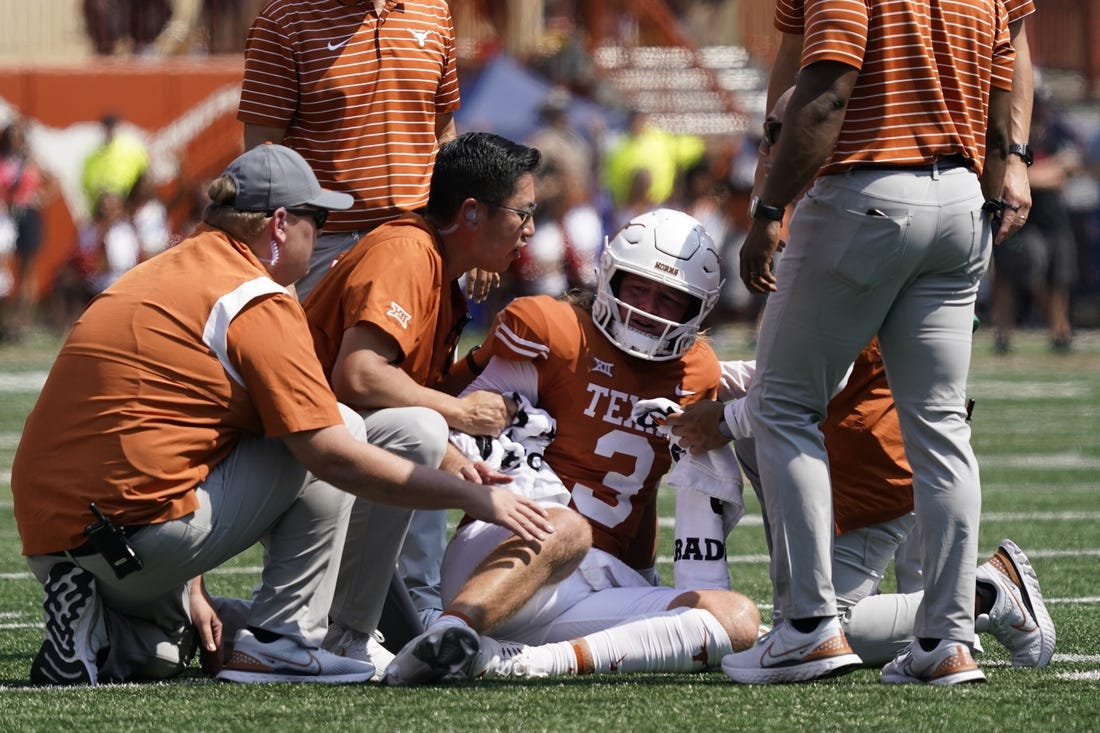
column 611, row 465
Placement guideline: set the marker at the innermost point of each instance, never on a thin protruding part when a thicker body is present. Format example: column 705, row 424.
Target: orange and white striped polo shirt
column 1018, row 9
column 358, row 95
column 925, row 73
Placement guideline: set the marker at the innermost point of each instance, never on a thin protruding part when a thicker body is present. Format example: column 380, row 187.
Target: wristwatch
column 758, row 210
column 1024, row 151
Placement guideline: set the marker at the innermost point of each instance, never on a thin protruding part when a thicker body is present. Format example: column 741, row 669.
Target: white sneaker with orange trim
column 1019, row 618
column 950, row 663
column 785, row 654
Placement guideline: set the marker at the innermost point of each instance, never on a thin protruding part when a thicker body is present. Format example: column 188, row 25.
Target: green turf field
column 1035, row 431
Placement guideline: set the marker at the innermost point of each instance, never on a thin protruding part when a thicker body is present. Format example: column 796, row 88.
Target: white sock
column 682, row 640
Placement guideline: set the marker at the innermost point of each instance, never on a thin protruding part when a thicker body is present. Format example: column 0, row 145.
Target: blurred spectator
column 564, row 148
column 1038, row 267
column 109, row 23
column 1089, row 259
column 569, row 230
column 7, row 251
column 747, row 167
column 226, row 23
column 115, row 166
column 646, row 147
column 106, row 247
column 149, row 216
column 701, row 196
column 541, row 267
column 25, row 189
column 637, row 199
column 584, row 232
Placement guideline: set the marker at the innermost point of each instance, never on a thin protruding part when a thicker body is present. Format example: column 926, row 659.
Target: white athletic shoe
column 284, row 660
column 950, row 663
column 440, row 652
column 502, row 659
column 347, row 642
column 1018, row 619
column 75, row 629
column 784, row 654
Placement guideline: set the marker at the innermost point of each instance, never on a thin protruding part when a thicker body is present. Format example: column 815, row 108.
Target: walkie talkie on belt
column 111, row 542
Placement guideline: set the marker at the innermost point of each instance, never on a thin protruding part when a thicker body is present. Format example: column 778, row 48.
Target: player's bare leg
column 510, row 575
column 497, row 588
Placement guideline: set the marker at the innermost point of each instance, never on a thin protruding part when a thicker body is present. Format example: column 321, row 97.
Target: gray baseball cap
column 269, row 176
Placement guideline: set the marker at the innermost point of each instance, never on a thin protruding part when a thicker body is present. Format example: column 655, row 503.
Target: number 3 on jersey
column 598, row 508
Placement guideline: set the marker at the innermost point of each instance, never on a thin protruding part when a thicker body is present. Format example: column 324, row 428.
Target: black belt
column 86, row 549
column 946, row 163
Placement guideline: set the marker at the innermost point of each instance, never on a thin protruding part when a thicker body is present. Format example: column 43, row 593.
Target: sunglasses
column 771, row 131
column 525, row 215
column 319, row 216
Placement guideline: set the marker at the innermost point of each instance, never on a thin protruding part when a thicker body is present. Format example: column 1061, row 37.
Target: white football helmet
column 668, row 247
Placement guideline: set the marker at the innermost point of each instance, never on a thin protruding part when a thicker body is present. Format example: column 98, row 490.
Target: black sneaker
column 75, row 630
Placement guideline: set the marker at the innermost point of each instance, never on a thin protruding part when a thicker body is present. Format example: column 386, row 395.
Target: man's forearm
column 1023, row 85
column 811, row 126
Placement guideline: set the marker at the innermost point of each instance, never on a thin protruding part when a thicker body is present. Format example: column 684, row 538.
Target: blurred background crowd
column 115, row 113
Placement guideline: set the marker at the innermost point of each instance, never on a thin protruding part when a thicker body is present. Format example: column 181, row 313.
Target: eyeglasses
column 525, row 215
column 771, row 131
column 319, row 216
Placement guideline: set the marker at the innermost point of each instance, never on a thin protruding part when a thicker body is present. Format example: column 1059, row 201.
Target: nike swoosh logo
column 767, row 656
column 681, row 392
column 1027, row 625
column 334, row 46
column 285, row 663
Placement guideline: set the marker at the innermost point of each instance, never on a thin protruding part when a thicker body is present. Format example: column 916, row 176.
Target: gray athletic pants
column 376, row 532
column 897, row 253
column 877, row 626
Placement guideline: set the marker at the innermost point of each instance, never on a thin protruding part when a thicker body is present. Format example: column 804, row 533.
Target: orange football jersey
column 872, row 481
column 610, row 465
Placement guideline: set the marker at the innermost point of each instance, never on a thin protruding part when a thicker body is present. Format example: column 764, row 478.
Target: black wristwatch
column 472, row 363
column 1024, row 151
column 758, row 210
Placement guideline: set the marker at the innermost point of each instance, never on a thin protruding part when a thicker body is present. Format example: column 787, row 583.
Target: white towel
column 709, row 503
column 519, row 452
column 714, row 473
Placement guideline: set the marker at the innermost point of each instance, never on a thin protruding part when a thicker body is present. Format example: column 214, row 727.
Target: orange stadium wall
column 183, row 109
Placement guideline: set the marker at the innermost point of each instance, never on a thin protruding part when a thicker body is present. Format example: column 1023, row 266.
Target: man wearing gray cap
column 187, row 418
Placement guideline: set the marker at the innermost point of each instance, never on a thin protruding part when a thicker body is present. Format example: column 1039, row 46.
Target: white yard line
column 22, row 381
column 1003, row 389
column 755, row 520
